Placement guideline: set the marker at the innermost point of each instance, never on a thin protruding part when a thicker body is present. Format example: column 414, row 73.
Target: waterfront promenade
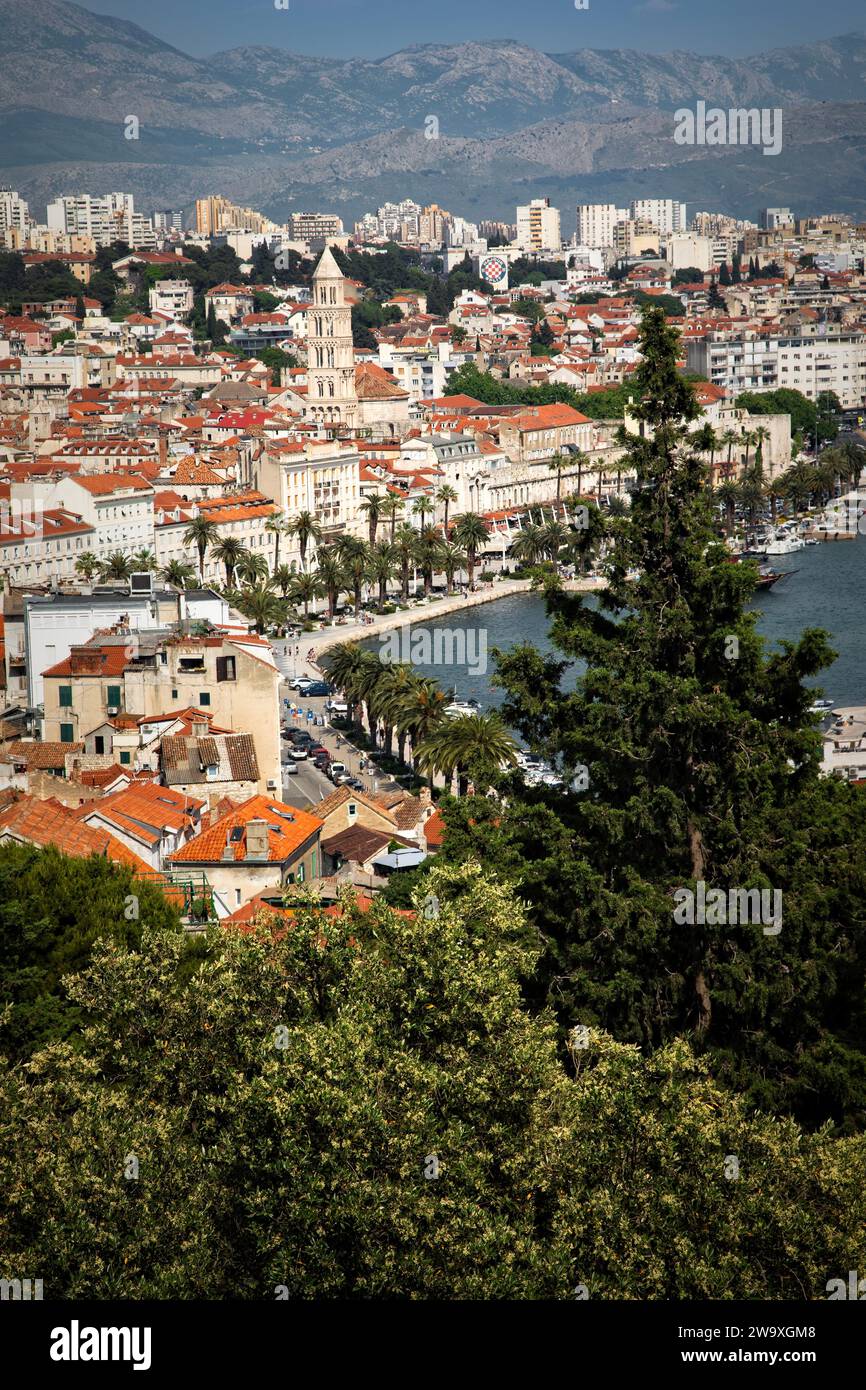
column 416, row 615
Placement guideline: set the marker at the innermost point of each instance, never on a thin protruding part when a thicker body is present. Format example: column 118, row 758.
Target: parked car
column 355, row 783
column 290, row 769
column 301, row 736
column 315, row 748
column 322, row 761
column 298, row 681
column 337, row 770
column 298, row 752
column 317, row 688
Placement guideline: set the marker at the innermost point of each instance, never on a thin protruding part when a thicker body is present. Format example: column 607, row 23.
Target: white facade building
column 538, row 226
column 664, row 213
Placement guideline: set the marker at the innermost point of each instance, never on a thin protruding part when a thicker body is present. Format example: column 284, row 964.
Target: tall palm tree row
column 395, row 699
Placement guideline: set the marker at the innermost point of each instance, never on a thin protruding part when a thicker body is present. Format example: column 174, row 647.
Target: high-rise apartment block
column 110, row 217
column 538, row 227
column 596, row 222
column 664, row 213
column 314, row 226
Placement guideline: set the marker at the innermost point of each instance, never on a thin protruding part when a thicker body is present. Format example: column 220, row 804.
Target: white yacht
column 460, row 707
column 784, row 543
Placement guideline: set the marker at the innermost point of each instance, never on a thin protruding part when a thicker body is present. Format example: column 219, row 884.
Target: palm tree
column 144, row 559
column 553, row 537
column 705, row 442
column 729, row 439
column 397, row 683
column 354, row 554
column 759, row 437
column 446, row 494
column 747, row 438
column 404, row 553
column 421, row 709
column 201, row 533
column 179, row 574
column 306, row 528
column 251, row 569
column 306, row 588
column 381, row 568
column 87, row 565
column 729, row 495
column 261, row 606
column 116, row 566
column 420, row 507
column 371, row 687
column 372, row 505
column 471, row 533
column 583, row 461
column 451, row 559
column 528, row 548
column 229, row 551
column 283, row 577
column 776, row 491
column 332, row 573
column 558, row 464
column 428, row 554
column 392, row 505
column 343, row 665
column 276, row 526
column 478, row 741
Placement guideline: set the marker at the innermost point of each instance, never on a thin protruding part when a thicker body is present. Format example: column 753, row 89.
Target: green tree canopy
column 361, row 1107
column 691, row 748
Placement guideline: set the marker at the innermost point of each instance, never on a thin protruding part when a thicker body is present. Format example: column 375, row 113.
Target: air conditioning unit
column 112, row 709
column 272, row 786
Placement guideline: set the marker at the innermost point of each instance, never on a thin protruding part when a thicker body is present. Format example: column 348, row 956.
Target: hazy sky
column 375, row 28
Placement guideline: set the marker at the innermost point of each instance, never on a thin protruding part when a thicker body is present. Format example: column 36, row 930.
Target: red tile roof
column 288, row 829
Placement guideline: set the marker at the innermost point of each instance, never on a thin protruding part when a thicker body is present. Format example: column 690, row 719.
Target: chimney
column 258, row 846
column 228, row 853
column 200, row 728
column 86, row 661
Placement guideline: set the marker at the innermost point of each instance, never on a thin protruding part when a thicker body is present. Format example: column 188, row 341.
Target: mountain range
column 281, row 131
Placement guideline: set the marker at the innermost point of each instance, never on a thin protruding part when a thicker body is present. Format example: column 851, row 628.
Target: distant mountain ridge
column 282, row 130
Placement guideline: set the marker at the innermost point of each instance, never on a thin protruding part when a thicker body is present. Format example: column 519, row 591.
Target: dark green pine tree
column 714, row 298
column 216, row 329
column 724, row 274
column 703, row 765
column 736, row 272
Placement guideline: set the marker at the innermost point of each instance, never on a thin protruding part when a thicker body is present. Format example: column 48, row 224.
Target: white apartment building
column 423, row 373
column 685, row 249
column 173, row 297
column 538, row 227
column 118, row 508
column 320, row 476
column 242, row 516
column 664, row 213
column 14, row 211
column 596, row 221
column 313, row 226
column 106, row 219
column 39, row 544
column 771, row 362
